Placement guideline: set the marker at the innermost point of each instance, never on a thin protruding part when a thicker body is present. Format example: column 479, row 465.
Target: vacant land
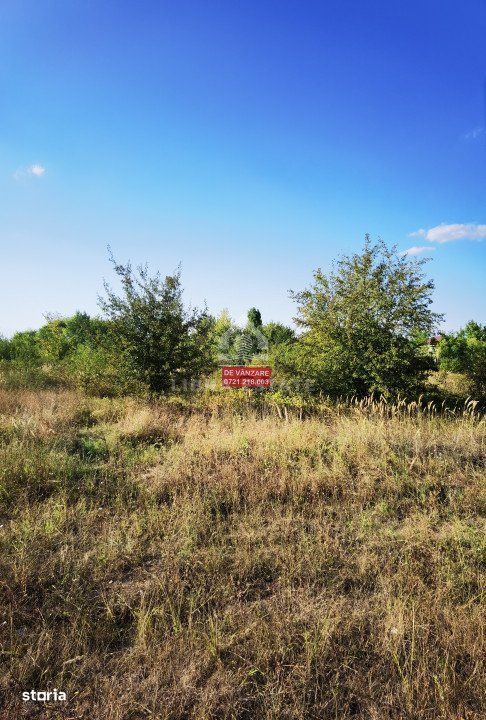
column 162, row 561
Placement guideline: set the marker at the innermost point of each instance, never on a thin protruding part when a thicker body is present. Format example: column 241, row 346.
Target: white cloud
column 475, row 133
column 448, row 233
column 34, row 170
column 37, row 170
column 417, row 249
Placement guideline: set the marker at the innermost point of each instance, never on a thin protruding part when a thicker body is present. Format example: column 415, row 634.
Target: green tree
column 23, row 348
column 239, row 346
column 278, row 334
column 5, row 354
column 361, row 325
column 225, row 333
column 254, row 318
column 52, row 340
column 60, row 337
column 223, row 323
column 166, row 344
column 465, row 352
column 250, row 342
column 81, row 329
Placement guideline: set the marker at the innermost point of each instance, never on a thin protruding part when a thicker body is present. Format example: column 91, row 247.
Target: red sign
column 238, row 376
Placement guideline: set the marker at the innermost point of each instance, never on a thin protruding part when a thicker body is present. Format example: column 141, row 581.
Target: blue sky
column 250, row 141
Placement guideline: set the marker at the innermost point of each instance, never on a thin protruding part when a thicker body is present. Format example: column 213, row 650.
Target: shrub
column 363, row 324
column 165, row 343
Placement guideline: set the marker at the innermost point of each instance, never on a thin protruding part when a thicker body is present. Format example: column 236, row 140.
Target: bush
column 465, row 352
column 363, row 326
column 165, row 344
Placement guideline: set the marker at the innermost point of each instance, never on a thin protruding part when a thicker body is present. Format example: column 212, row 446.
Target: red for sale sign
column 238, row 376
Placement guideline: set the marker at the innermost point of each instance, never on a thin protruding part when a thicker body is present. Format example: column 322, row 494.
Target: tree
column 362, row 324
column 165, row 344
column 239, row 346
column 52, row 340
column 278, row 334
column 23, row 348
column 60, row 337
column 254, row 318
column 225, row 333
column 5, row 353
column 223, row 324
column 251, row 341
column 465, row 352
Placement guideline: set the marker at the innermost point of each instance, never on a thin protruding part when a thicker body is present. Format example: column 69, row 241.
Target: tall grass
column 220, row 559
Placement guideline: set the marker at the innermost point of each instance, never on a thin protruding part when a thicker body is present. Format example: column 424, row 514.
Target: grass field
column 159, row 561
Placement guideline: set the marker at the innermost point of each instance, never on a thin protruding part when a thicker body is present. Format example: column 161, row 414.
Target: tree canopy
column 363, row 324
column 465, row 352
column 363, row 327
column 165, row 344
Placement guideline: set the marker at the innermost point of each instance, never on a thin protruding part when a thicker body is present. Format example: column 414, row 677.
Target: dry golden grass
column 160, row 561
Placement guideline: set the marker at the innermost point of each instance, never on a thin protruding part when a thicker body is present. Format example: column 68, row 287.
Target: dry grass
column 162, row 563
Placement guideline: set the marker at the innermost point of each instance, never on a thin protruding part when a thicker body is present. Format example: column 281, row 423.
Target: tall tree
column 362, row 323
column 254, row 318
column 165, row 343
